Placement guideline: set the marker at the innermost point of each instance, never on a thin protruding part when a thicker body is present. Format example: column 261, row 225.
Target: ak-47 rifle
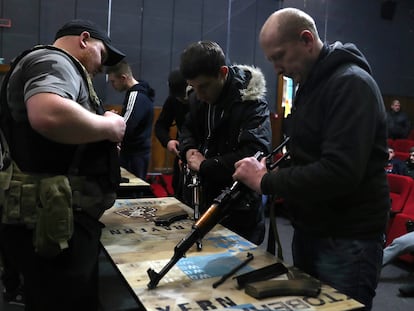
column 214, row 214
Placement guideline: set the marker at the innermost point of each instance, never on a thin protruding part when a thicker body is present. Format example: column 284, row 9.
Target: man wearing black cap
column 64, row 144
column 78, row 27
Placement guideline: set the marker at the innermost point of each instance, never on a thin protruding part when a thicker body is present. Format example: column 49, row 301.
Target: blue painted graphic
column 204, row 267
column 232, row 243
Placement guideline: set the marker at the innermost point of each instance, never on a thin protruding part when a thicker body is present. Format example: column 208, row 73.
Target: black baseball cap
column 77, row 26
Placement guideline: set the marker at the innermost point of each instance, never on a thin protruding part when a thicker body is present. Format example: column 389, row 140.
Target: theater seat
column 400, row 188
column 160, row 184
column 397, row 226
column 397, row 229
column 403, row 145
column 411, row 135
column 403, row 156
column 158, row 190
column 168, row 178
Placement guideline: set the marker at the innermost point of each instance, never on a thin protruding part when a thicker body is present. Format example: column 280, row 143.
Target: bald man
column 336, row 186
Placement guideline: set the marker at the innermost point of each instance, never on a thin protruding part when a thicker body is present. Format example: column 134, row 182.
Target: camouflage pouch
column 6, row 171
column 11, row 212
column 11, row 208
column 55, row 216
column 28, row 204
column 19, row 197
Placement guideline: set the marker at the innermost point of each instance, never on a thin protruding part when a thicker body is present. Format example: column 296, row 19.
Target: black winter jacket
column 236, row 126
column 337, row 185
column 172, row 111
column 398, row 124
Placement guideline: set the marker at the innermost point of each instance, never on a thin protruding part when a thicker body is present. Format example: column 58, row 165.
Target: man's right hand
column 250, row 172
column 117, row 131
column 194, row 159
column 172, row 146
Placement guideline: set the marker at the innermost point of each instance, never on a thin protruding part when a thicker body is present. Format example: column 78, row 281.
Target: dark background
column 154, row 32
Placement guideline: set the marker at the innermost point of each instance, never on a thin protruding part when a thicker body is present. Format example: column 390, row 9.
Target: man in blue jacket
column 336, row 186
column 138, row 113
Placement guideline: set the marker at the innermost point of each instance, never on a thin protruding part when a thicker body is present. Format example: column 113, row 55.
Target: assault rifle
column 214, row 214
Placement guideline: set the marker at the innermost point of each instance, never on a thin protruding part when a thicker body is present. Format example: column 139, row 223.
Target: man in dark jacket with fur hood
column 336, row 187
column 228, row 120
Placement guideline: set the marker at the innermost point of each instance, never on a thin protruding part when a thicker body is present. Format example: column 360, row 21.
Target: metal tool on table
column 234, row 270
column 214, row 214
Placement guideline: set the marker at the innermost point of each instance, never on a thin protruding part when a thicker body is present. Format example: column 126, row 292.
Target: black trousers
column 10, row 275
column 68, row 281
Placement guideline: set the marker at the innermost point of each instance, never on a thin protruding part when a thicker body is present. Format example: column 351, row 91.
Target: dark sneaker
column 14, row 298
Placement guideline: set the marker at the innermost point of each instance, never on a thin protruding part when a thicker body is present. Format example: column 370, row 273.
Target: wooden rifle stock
column 207, row 221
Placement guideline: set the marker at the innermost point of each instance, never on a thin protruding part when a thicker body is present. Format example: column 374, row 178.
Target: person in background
column 173, row 112
column 58, row 132
column 398, row 122
column 394, row 165
column 410, row 163
column 336, row 187
column 400, row 246
column 138, row 113
column 228, row 120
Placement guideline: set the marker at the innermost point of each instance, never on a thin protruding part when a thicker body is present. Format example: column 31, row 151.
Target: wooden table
column 135, row 244
column 134, row 188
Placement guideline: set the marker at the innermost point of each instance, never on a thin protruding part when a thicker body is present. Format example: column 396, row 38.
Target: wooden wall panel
column 161, row 159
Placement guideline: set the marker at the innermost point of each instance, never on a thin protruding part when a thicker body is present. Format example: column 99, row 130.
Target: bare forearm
column 65, row 121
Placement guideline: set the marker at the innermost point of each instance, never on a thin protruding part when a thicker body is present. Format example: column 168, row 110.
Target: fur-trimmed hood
column 252, row 80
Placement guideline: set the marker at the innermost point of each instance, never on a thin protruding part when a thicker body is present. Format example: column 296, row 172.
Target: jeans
column 401, row 245
column 10, row 275
column 349, row 265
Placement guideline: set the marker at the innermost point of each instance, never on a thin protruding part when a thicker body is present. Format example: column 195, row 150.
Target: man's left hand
column 194, row 160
